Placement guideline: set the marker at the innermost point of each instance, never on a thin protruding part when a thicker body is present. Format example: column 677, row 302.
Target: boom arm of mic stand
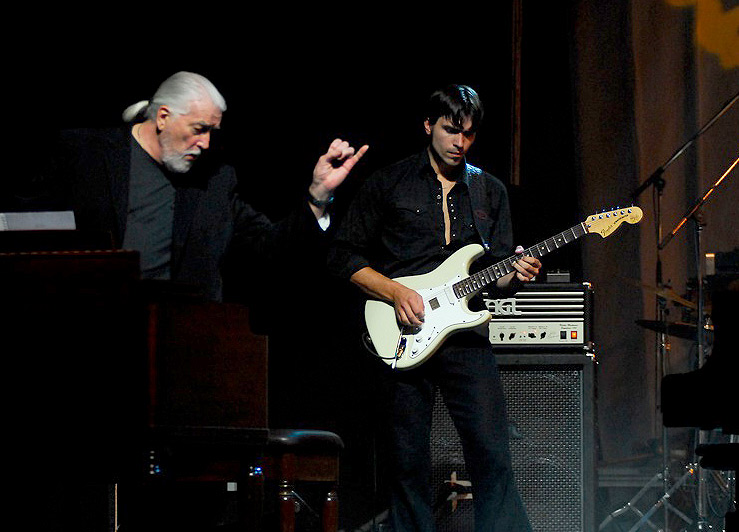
column 698, row 204
column 656, row 177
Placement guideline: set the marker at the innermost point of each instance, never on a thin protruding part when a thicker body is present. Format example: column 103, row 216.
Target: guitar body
column 446, row 292
column 445, row 313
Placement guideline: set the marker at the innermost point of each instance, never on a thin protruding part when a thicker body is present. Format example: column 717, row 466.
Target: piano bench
column 293, row 456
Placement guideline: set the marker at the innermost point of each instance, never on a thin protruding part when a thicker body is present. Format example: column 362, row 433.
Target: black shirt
column 396, row 222
column 150, row 214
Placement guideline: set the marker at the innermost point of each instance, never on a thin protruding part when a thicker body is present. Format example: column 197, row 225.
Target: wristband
column 318, row 203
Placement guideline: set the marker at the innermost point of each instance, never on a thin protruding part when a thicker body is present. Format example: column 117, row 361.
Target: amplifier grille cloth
column 545, row 413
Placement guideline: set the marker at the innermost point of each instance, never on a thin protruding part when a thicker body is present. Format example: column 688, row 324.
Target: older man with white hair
column 144, row 185
column 149, row 186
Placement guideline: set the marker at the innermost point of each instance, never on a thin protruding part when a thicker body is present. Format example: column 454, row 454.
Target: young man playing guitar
column 405, row 221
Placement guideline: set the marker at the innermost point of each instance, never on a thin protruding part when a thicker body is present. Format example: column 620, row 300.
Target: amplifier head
column 542, row 315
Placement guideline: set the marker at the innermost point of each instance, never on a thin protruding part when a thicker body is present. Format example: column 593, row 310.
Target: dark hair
column 457, row 103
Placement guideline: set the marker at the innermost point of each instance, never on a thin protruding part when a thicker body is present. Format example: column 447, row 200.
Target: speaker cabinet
column 551, row 416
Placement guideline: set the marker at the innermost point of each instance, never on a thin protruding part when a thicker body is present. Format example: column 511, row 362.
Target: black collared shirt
column 396, row 223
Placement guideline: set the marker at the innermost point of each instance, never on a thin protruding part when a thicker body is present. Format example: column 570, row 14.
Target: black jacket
column 89, row 174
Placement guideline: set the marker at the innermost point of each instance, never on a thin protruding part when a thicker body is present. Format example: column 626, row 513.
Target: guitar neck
column 478, row 281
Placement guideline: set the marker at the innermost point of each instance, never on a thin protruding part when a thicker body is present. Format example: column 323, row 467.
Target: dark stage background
column 606, row 96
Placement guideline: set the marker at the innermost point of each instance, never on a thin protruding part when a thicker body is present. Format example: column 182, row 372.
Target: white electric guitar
column 447, row 290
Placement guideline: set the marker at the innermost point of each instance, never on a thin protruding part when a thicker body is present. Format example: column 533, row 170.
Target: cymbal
column 688, row 331
column 667, row 293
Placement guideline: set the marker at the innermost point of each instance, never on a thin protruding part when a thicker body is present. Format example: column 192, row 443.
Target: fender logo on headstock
column 606, row 223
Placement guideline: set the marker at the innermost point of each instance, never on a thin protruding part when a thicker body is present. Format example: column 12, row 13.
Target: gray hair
column 176, row 92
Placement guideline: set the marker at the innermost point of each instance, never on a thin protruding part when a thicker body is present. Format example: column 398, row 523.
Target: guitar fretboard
column 481, row 279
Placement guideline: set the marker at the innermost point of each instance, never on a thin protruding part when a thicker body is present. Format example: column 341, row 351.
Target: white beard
column 176, row 161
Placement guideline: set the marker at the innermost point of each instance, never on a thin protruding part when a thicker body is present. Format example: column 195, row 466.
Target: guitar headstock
column 605, row 223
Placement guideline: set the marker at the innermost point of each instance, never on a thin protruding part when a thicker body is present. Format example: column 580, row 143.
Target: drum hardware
column 666, row 293
column 687, row 331
column 657, row 181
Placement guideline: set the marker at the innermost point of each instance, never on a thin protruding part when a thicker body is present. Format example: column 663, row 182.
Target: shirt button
column 438, row 196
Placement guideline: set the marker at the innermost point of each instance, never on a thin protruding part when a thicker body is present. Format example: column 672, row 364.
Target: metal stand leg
column 702, row 522
column 631, row 505
column 731, row 485
column 664, row 502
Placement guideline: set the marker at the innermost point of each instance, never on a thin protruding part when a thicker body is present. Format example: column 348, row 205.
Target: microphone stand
column 656, row 177
column 694, row 214
column 657, row 180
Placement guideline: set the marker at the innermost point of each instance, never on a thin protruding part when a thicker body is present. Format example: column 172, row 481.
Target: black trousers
column 466, row 373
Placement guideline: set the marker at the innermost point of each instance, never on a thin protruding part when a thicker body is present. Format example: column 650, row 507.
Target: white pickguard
column 444, row 313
